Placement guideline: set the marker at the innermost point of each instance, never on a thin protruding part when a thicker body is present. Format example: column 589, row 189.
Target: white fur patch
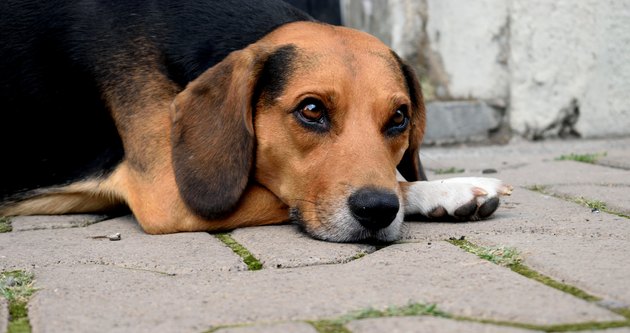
column 423, row 197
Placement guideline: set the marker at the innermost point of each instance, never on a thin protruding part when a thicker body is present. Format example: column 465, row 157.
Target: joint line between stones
column 253, row 264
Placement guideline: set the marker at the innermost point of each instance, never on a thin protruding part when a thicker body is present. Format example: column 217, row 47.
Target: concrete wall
column 548, row 68
column 570, row 67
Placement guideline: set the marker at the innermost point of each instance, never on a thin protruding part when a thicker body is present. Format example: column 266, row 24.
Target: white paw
column 462, row 198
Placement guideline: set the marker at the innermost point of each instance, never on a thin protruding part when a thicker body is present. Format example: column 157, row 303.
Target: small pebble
column 10, row 281
column 486, row 171
column 114, row 237
column 595, row 210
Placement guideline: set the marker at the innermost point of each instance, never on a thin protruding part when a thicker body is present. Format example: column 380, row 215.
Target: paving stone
column 39, row 222
column 95, row 298
column 181, row 253
column 617, row 198
column 526, row 213
column 4, row 315
column 285, row 246
column 564, row 257
column 271, row 328
column 426, row 324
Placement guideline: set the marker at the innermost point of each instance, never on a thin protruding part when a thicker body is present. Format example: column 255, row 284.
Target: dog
column 213, row 115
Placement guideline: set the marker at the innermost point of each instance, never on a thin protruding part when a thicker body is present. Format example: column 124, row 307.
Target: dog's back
column 60, row 60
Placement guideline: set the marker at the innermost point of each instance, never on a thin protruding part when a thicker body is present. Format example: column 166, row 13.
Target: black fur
column 57, row 56
column 275, row 74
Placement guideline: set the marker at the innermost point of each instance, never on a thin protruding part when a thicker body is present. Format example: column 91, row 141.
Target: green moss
column 21, row 325
column 358, row 256
column 509, row 257
column 592, row 204
column 588, row 326
column 329, row 326
column 584, row 158
column 17, row 287
column 5, row 224
column 529, row 273
column 337, row 325
column 622, row 311
column 252, row 263
column 501, row 255
column 549, row 328
column 448, row 171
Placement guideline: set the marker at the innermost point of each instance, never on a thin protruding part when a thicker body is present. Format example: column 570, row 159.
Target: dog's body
column 213, row 115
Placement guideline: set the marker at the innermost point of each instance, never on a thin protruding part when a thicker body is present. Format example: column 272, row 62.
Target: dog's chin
column 342, row 227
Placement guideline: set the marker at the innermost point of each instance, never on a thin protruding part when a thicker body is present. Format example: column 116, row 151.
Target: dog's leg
column 157, row 205
column 464, row 198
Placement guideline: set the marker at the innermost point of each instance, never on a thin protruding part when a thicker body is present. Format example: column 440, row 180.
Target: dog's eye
column 311, row 113
column 398, row 122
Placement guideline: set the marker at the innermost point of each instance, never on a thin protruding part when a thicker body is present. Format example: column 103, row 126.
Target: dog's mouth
column 339, row 225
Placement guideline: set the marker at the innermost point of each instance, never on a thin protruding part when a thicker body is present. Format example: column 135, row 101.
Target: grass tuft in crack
column 337, row 325
column 500, row 255
column 252, row 263
column 594, row 205
column 5, row 224
column 17, row 287
column 584, row 158
column 510, row 258
column 446, row 171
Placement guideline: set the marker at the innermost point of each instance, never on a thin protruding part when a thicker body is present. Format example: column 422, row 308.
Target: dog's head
column 322, row 116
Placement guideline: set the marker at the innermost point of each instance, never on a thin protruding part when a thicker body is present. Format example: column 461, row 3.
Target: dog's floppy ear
column 212, row 135
column 410, row 166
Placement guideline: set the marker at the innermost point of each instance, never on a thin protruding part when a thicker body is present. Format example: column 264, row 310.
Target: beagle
column 214, row 115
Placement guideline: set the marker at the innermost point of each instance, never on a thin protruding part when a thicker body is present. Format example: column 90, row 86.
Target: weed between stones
column 584, row 158
column 17, row 287
column 414, row 309
column 509, row 257
column 5, row 224
column 252, row 263
column 594, row 205
column 450, row 170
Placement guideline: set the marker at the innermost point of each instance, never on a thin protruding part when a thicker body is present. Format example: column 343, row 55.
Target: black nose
column 374, row 208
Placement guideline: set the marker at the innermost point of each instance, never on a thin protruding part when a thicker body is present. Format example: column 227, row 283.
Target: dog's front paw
column 462, row 199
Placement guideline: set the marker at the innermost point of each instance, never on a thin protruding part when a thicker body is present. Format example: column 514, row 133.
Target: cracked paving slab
column 426, row 324
column 93, row 298
column 181, row 253
column 285, row 246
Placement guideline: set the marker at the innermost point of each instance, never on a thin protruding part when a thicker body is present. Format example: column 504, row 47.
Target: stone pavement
column 555, row 257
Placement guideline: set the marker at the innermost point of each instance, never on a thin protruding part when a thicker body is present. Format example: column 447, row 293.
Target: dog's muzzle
column 369, row 213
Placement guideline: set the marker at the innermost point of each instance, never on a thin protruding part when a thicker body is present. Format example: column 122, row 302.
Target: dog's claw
column 505, row 190
column 479, row 192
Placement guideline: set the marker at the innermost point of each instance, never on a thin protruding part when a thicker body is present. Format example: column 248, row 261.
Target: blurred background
column 494, row 71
